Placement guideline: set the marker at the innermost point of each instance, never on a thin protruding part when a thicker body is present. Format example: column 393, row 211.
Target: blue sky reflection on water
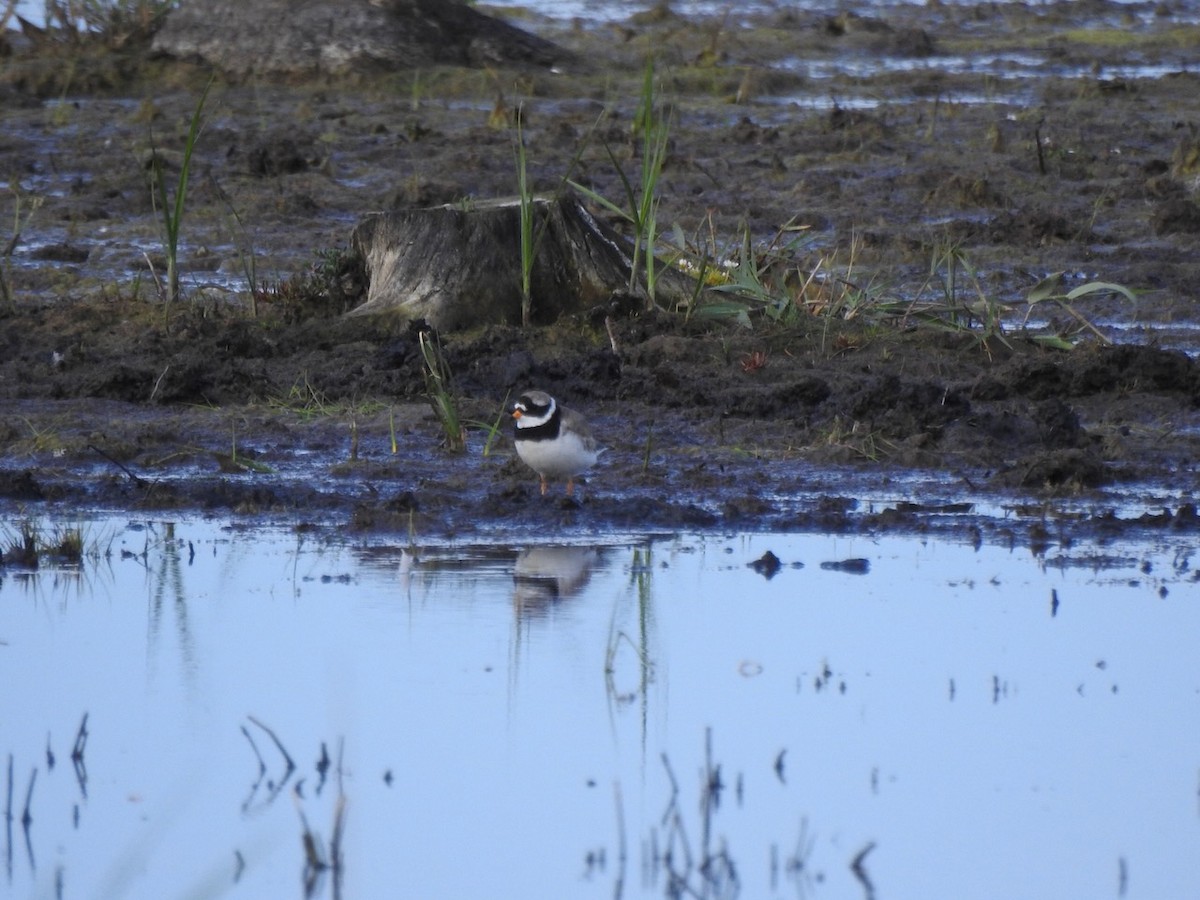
column 933, row 709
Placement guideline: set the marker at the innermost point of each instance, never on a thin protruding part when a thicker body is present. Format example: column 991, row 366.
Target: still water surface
column 501, row 720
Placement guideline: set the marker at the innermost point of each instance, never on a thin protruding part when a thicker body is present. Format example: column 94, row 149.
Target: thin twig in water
column 81, row 737
column 860, row 871
column 322, row 768
column 291, row 766
column 27, row 816
column 262, row 766
column 8, row 804
column 77, row 749
column 335, row 842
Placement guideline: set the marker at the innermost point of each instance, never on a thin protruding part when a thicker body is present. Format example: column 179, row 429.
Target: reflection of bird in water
column 544, row 575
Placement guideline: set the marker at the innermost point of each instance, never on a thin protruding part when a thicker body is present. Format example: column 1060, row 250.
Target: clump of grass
column 437, row 389
column 22, row 546
column 959, row 303
column 653, row 128
column 777, row 283
column 850, row 436
column 66, row 543
column 839, row 287
column 308, row 402
column 328, row 287
column 763, row 280
column 28, row 544
column 45, row 438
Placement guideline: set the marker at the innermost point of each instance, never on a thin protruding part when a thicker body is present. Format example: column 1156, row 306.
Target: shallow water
column 963, row 722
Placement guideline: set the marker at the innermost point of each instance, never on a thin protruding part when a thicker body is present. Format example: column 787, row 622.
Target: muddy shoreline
column 859, row 418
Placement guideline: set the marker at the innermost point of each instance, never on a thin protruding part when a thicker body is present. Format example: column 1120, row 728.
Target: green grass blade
column 1101, row 287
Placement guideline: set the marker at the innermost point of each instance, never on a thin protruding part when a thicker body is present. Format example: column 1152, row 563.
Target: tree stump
column 460, row 265
column 301, row 37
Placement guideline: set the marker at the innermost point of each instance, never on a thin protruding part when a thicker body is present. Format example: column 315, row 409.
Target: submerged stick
column 77, row 749
column 262, row 766
column 323, row 765
column 27, row 816
column 621, row 846
column 81, row 737
column 860, row 871
column 335, row 845
column 291, row 766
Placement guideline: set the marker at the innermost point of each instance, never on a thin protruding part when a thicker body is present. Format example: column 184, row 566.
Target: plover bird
column 554, row 441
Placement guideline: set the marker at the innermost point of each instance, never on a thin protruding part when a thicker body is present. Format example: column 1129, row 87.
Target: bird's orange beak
column 516, row 414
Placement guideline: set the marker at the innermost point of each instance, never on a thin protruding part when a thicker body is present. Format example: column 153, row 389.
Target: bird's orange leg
column 544, row 485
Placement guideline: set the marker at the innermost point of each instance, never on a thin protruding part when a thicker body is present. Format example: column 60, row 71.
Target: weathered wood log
column 341, row 36
column 460, row 265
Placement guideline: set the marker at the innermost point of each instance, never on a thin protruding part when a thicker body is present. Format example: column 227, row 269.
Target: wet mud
column 269, row 401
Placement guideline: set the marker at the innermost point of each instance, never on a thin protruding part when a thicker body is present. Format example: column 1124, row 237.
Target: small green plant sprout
column 531, row 236
column 22, row 215
column 437, row 389
column 172, row 209
column 1050, row 290
column 654, row 128
column 528, row 239
column 495, row 428
column 648, row 449
column 963, row 306
column 239, row 462
column 245, row 249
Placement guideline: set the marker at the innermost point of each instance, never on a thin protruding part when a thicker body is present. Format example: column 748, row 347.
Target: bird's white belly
column 564, row 456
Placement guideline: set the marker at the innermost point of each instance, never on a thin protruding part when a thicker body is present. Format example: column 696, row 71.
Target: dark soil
column 848, row 411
